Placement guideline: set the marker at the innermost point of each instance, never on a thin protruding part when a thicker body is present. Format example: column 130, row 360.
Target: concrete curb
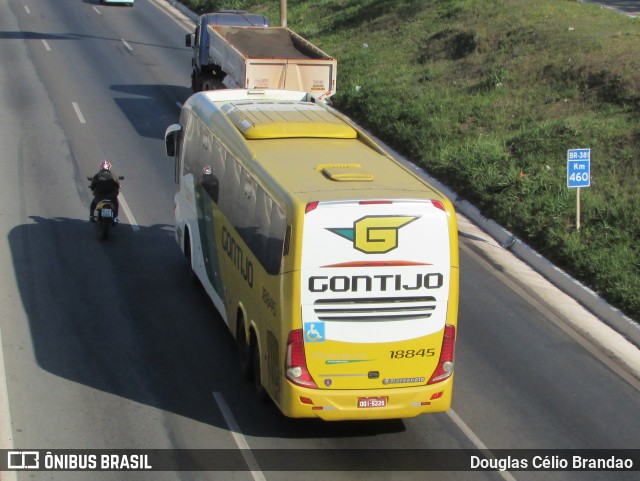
column 184, row 10
column 625, row 8
column 613, row 317
column 578, row 291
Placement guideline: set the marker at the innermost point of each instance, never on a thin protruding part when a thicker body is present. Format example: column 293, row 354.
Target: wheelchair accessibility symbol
column 314, row 331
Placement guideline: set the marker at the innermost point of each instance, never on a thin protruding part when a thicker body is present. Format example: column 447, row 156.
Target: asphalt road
column 109, row 345
column 629, row 7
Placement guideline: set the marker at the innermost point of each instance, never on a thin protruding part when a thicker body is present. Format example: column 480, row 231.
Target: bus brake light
column 296, row 362
column 438, row 204
column 311, row 206
column 445, row 363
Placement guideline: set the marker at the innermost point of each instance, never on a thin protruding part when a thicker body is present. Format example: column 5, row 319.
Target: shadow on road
column 122, row 316
column 146, row 106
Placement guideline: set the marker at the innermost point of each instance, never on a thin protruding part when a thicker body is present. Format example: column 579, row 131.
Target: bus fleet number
column 409, row 353
column 269, row 301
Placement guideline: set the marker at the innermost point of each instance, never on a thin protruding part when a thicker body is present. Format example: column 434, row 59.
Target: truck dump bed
column 271, row 58
column 274, row 42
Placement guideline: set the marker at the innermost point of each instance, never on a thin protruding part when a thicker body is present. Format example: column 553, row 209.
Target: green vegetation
column 488, row 95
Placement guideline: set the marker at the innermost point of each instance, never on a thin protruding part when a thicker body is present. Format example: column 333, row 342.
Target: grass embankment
column 488, row 95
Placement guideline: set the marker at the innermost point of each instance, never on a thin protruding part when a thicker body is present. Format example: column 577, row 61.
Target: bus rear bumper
column 338, row 405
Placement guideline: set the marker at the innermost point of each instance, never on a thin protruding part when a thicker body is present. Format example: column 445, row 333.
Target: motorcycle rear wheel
column 104, row 229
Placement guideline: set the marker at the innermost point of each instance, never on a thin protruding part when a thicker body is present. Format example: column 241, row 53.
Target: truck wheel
column 195, row 82
column 218, row 74
column 208, row 82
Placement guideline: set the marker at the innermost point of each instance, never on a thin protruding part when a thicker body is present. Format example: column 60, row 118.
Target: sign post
column 578, row 174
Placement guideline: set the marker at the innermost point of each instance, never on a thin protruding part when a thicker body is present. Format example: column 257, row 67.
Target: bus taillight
column 445, row 363
column 296, row 362
column 438, row 204
column 311, row 206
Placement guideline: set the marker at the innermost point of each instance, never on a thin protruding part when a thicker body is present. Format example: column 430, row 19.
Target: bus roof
column 277, row 120
column 337, row 167
column 306, row 148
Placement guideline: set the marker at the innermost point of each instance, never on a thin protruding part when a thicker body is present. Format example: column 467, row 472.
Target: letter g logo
column 375, row 234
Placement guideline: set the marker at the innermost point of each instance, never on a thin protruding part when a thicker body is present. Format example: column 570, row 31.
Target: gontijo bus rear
column 335, row 268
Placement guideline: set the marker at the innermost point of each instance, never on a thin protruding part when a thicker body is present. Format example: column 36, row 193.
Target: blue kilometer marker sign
column 578, row 168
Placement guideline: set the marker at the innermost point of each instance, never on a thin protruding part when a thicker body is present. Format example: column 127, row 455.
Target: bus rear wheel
column 244, row 351
column 261, row 392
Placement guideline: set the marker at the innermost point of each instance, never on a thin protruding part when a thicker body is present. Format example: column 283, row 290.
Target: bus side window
column 260, row 224
column 189, row 152
column 246, row 207
column 231, row 190
column 218, row 155
column 277, row 230
column 211, row 185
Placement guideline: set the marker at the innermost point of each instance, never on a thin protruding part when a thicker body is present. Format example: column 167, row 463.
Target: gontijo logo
column 374, row 234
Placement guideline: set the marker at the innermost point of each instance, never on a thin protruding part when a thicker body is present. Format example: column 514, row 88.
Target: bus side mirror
column 189, row 39
column 171, row 139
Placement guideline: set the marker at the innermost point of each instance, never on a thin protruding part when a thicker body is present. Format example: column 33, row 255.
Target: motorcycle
column 105, row 213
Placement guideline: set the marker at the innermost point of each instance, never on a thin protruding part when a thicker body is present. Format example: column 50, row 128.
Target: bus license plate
column 372, row 402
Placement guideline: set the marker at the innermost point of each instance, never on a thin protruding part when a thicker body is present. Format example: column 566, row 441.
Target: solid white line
column 126, row 44
column 6, row 441
column 127, row 211
column 78, row 113
column 46, row 45
column 506, row 475
column 96, row 10
column 27, row 9
column 238, row 437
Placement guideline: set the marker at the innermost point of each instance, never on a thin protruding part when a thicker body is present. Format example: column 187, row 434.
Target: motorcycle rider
column 104, row 185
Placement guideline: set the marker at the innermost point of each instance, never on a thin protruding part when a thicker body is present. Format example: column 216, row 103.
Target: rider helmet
column 105, row 165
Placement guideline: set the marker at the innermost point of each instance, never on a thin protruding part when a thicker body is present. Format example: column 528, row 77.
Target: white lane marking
column 457, row 420
column 238, row 437
column 96, row 10
column 78, row 113
column 126, row 44
column 179, row 104
column 6, row 442
column 132, row 221
column 46, row 45
column 27, row 9
column 242, row 444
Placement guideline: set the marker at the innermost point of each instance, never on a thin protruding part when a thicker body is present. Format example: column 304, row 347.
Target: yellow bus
column 335, row 267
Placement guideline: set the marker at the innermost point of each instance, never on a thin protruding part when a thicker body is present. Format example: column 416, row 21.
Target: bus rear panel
column 375, row 282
